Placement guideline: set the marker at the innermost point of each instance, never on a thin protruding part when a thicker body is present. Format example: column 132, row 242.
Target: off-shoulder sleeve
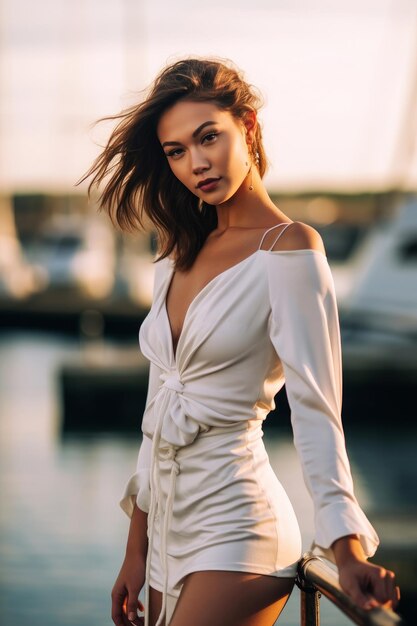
column 305, row 331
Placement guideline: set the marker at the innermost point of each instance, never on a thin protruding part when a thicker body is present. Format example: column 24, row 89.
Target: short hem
column 245, row 569
column 156, row 587
column 220, row 568
column 248, row 569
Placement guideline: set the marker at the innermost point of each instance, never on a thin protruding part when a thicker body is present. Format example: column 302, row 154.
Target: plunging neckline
column 196, row 297
column 202, row 291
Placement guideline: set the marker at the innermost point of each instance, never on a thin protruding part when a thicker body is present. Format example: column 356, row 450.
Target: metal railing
column 316, row 577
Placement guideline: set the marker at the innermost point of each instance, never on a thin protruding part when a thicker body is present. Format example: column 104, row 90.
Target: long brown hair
column 141, row 180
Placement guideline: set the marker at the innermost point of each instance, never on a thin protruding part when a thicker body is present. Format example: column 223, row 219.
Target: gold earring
column 251, row 173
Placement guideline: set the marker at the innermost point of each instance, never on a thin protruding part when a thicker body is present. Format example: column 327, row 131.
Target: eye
column 173, row 152
column 210, row 135
column 177, row 151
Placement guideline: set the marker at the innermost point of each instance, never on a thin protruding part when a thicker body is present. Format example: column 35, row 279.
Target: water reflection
column 62, row 531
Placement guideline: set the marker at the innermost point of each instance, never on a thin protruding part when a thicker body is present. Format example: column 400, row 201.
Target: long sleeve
column 138, row 486
column 305, row 332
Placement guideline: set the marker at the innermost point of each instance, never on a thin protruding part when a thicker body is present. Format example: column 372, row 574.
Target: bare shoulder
column 299, row 236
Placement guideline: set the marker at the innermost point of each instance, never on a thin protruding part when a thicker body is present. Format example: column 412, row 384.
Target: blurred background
column 340, row 126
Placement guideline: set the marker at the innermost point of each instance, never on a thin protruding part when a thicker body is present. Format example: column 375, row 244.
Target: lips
column 207, row 181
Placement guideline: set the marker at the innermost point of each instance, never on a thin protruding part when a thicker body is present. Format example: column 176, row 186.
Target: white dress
column 203, row 474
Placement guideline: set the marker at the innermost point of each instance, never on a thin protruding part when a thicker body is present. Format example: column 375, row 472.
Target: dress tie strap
column 173, row 383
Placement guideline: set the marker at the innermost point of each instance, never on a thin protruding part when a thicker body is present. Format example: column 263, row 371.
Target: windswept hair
column 141, row 180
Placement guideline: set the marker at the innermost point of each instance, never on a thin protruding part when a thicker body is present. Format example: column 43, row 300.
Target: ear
column 250, row 123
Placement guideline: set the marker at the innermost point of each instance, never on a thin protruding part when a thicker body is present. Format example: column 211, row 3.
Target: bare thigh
column 229, row 599
column 155, row 605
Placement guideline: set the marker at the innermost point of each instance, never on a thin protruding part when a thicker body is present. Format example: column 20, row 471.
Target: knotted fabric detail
column 172, row 381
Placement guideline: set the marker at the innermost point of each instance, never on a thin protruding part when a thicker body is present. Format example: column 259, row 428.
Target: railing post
column 309, row 601
column 310, row 608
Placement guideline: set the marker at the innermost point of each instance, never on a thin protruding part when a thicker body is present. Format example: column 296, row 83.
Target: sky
column 338, row 80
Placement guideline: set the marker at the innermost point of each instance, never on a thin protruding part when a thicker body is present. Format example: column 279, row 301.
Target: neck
column 247, row 208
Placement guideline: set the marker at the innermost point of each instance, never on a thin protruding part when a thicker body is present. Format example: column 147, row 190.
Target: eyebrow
column 195, row 133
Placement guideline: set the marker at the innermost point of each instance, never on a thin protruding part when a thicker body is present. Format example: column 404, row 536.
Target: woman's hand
column 126, row 590
column 368, row 585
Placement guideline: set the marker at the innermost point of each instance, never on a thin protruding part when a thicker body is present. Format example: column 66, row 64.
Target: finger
column 118, row 597
column 380, row 585
column 131, row 608
column 138, row 621
column 395, row 598
column 135, row 620
column 382, row 590
column 360, row 595
column 385, row 589
column 368, row 601
column 362, row 598
column 365, row 598
column 391, row 589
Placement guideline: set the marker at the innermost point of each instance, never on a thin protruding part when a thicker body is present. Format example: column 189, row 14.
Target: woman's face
column 203, row 142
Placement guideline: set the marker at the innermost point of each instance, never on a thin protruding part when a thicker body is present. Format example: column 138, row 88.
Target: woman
column 243, row 301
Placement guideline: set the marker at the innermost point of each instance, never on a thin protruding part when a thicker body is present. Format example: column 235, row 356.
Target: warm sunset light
column 208, row 362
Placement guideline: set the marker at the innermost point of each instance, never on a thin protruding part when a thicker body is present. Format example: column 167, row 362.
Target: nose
column 199, row 162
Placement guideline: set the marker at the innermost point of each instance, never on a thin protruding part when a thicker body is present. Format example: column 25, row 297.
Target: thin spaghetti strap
column 267, row 231
column 285, row 227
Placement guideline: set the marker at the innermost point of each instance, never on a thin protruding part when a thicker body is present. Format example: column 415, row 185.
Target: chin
column 227, row 197
column 213, row 199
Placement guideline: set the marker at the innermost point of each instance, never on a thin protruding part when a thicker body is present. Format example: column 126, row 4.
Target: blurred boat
column 54, row 249
column 81, row 269
column 383, row 300
column 379, row 322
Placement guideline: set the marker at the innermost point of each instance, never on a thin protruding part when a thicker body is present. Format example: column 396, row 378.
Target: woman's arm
column 304, row 329
column 137, row 539
column 135, row 502
column 368, row 584
column 347, row 549
column 305, row 332
column 131, row 578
